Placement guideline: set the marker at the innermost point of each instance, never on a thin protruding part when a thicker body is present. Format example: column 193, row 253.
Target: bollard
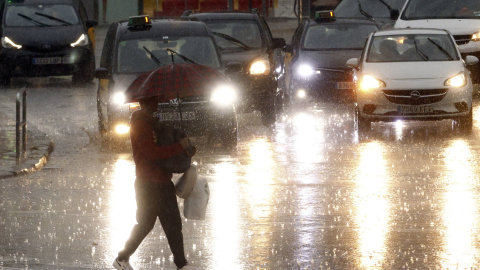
column 21, row 126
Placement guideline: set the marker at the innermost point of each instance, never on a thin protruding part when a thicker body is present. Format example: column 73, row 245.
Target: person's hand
column 185, row 142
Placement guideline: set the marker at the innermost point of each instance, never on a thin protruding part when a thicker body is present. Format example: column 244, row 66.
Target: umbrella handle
column 180, row 111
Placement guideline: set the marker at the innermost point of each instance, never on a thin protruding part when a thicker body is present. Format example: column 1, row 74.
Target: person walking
column 154, row 189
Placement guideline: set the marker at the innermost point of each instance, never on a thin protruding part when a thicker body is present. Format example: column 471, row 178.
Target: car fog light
column 122, row 129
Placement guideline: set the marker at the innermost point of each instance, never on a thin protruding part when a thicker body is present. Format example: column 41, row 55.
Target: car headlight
column 260, row 67
column 305, row 70
column 476, row 36
column 224, row 95
column 81, row 41
column 369, row 83
column 8, row 43
column 118, row 98
column 458, row 80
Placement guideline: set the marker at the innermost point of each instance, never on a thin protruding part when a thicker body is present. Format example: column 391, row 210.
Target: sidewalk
column 38, row 150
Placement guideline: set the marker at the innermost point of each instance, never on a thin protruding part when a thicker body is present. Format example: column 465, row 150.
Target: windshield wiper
column 153, row 57
column 186, row 59
column 422, row 54
column 32, row 20
column 232, row 39
column 53, row 18
column 367, row 15
column 441, row 49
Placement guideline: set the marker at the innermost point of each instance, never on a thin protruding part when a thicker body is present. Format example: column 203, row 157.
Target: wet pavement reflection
column 310, row 193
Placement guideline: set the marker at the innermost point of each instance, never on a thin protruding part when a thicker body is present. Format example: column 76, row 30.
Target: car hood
column 328, row 59
column 34, row 36
column 414, row 71
column 455, row 26
column 123, row 81
column 243, row 57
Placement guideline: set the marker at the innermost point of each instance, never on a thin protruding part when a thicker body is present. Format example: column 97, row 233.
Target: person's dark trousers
column 156, row 200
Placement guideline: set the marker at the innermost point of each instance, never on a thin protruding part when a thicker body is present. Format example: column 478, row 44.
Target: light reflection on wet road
column 309, row 194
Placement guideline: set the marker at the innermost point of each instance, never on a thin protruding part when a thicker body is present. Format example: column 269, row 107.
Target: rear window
column 40, row 15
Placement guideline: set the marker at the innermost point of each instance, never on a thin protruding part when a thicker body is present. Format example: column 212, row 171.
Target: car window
column 133, row 58
column 336, row 36
column 40, row 15
column 350, row 8
column 419, row 9
column 412, row 48
column 245, row 31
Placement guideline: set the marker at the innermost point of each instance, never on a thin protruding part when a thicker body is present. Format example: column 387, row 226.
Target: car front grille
column 415, row 97
column 462, row 39
column 336, row 74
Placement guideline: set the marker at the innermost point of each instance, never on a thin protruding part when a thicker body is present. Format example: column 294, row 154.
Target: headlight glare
column 81, row 41
column 368, row 83
column 119, row 98
column 224, row 95
column 122, row 129
column 305, row 70
column 8, row 43
column 476, row 36
column 260, row 67
column 458, row 80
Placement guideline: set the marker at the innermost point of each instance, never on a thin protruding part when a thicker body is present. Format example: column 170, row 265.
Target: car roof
column 405, row 31
column 165, row 27
column 44, row 2
column 224, row 15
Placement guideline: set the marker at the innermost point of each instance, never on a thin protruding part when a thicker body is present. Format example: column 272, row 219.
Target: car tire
column 362, row 124
column 465, row 123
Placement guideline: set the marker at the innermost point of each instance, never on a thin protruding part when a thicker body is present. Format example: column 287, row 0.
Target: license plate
column 344, row 85
column 47, row 60
column 415, row 109
column 175, row 116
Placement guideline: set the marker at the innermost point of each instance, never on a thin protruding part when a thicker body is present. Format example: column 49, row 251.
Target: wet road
column 308, row 194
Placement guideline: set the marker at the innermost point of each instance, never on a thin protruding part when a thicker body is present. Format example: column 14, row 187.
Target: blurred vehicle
column 384, row 12
column 46, row 38
column 246, row 38
column 460, row 17
column 320, row 49
column 412, row 74
column 140, row 45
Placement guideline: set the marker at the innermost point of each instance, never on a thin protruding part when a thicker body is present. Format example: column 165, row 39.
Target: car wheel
column 362, row 123
column 465, row 123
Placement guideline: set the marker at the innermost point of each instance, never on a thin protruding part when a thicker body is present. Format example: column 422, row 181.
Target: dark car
column 384, row 12
column 46, row 38
column 320, row 49
column 244, row 37
column 140, row 45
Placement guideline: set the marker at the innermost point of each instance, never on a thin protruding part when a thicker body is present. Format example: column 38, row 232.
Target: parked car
column 46, row 38
column 412, row 74
column 320, row 49
column 384, row 12
column 140, row 45
column 245, row 38
column 460, row 17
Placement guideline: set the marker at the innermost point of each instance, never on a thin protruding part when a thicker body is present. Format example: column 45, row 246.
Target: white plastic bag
column 195, row 205
column 185, row 184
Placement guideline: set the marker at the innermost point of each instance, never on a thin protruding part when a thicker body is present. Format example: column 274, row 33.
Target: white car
column 412, row 74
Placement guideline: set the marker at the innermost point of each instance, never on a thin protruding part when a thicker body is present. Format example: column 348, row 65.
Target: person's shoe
column 187, row 267
column 123, row 265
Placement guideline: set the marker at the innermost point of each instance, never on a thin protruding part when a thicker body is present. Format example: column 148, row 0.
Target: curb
column 41, row 162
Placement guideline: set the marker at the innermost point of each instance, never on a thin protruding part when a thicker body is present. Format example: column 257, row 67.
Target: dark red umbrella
column 173, row 81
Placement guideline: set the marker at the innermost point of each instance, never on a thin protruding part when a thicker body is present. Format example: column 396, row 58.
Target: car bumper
column 318, row 87
column 253, row 90
column 19, row 63
column 415, row 104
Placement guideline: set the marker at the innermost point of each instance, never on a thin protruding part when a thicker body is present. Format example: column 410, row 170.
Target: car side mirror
column 471, row 60
column 352, row 63
column 91, row 23
column 279, row 43
column 101, row 73
column 288, row 48
column 233, row 67
column 394, row 14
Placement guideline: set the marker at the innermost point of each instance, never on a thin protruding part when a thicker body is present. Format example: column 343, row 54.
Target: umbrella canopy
column 172, row 81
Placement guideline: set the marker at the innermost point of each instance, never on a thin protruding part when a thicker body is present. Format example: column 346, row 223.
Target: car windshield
column 412, row 48
column 40, row 15
column 420, row 9
column 228, row 32
column 375, row 8
column 135, row 55
column 337, row 36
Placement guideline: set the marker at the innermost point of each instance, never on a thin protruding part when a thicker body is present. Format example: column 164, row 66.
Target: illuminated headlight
column 224, row 95
column 370, row 83
column 8, row 43
column 134, row 106
column 122, row 129
column 476, row 36
column 458, row 80
column 260, row 67
column 305, row 71
column 81, row 41
column 301, row 93
column 119, row 98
